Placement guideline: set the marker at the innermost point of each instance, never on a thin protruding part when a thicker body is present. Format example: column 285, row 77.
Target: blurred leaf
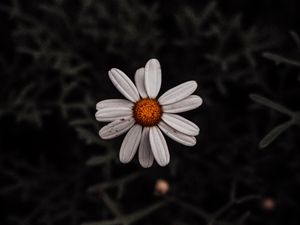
column 120, row 182
column 274, row 133
column 97, row 160
column 280, row 59
column 24, row 93
column 269, row 103
column 90, row 137
column 80, row 122
column 296, row 38
column 296, row 118
column 111, row 204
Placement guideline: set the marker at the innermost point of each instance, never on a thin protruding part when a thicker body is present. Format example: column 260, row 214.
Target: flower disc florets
column 147, row 112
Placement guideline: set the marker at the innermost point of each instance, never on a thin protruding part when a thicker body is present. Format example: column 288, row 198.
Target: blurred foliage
column 53, row 70
column 294, row 115
column 275, row 132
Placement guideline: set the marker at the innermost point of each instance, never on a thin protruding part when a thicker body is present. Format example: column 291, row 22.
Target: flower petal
column 113, row 109
column 159, row 146
column 124, row 84
column 114, row 103
column 130, row 143
column 116, row 128
column 181, row 124
column 178, row 93
column 152, row 78
column 187, row 104
column 176, row 135
column 140, row 82
column 145, row 152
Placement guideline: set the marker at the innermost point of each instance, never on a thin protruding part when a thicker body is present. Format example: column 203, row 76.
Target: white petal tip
column 187, row 104
column 125, row 86
column 140, row 82
column 191, row 144
column 114, row 69
column 195, row 84
column 152, row 78
column 146, row 166
column 130, row 144
column 102, row 136
column 124, row 161
column 200, row 101
column 153, row 60
column 110, row 72
column 178, row 93
column 142, row 69
column 113, row 72
column 163, row 164
column 181, row 124
column 159, row 146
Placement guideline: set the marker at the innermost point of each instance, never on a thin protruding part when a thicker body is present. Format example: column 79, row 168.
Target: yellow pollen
column 147, row 112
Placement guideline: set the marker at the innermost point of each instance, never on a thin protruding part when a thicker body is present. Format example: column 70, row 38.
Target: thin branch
column 295, row 36
column 111, row 205
column 280, row 59
column 274, row 133
column 113, row 183
column 271, row 104
column 189, row 207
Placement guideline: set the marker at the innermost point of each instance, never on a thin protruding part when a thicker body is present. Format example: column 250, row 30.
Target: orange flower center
column 147, row 112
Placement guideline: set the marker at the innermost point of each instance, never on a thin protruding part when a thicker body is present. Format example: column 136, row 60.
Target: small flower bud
column 161, row 187
column 268, row 204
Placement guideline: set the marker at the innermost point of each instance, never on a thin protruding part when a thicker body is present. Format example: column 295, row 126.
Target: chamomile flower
column 145, row 116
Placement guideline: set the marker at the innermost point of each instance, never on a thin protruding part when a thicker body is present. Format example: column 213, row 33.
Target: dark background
column 54, row 58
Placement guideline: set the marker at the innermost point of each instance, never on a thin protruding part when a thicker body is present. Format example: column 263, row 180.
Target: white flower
column 145, row 116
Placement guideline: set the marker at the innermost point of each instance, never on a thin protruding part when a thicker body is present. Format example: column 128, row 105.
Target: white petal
column 176, row 135
column 159, row 146
column 187, row 104
column 152, row 78
column 145, row 152
column 116, row 128
column 113, row 109
column 124, row 84
column 181, row 124
column 178, row 93
column 114, row 103
column 130, row 143
column 140, row 82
